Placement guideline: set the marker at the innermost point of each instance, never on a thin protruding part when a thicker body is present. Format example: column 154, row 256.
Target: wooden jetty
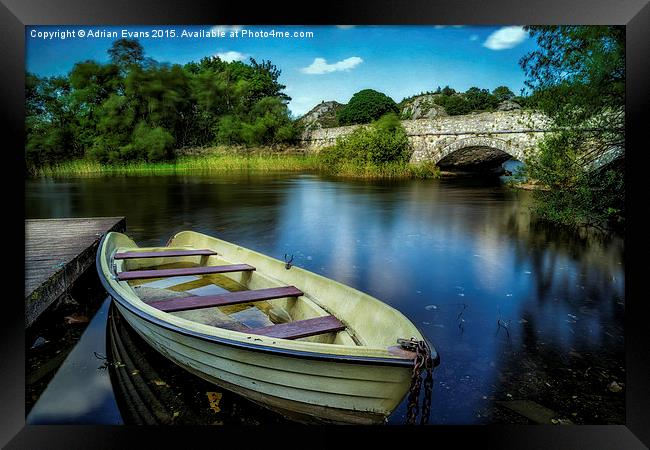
column 57, row 251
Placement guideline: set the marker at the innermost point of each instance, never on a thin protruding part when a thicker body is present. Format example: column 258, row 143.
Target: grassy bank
column 392, row 170
column 183, row 164
column 229, row 162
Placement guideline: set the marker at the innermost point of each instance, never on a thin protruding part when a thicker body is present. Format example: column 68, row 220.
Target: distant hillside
column 426, row 105
column 322, row 115
column 450, row 102
column 421, row 107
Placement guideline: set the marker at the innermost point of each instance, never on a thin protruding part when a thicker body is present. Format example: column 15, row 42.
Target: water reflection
column 81, row 391
column 152, row 391
column 456, row 256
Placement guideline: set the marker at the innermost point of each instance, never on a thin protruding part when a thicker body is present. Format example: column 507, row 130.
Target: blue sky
column 332, row 65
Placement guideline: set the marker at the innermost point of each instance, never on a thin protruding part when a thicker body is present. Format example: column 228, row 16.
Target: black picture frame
column 634, row 14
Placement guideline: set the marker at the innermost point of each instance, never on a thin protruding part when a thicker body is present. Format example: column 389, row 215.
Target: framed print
column 376, row 214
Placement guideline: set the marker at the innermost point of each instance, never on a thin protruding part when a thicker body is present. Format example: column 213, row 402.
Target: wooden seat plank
column 300, row 328
column 161, row 273
column 162, row 254
column 230, row 298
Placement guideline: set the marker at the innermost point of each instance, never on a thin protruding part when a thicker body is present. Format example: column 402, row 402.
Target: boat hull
column 300, row 389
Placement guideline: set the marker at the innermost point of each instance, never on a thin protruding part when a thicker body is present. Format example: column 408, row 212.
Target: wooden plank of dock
column 57, row 251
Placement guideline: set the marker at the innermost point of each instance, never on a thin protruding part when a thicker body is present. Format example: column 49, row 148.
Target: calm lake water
column 526, row 317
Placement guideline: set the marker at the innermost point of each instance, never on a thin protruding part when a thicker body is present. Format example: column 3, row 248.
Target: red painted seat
column 300, row 328
column 201, row 270
column 162, row 254
column 230, row 298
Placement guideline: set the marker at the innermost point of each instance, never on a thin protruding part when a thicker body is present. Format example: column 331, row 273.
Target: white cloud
column 506, row 37
column 320, row 66
column 231, row 56
column 226, row 28
column 473, row 37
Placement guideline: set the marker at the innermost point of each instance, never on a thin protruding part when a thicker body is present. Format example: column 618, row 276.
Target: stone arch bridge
column 474, row 140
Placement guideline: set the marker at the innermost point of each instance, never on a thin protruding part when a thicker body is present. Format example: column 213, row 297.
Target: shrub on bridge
column 454, row 104
column 480, row 99
column 365, row 106
column 384, row 141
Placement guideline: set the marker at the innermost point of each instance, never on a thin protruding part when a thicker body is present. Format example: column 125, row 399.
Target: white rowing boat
column 294, row 341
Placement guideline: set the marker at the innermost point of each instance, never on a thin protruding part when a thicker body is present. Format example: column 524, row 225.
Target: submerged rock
column 533, row 411
column 614, row 387
column 75, row 318
column 39, row 342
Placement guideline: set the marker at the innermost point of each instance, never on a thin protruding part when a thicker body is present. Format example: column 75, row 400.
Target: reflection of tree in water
column 158, row 206
column 540, row 244
column 567, row 362
column 598, row 257
column 382, row 199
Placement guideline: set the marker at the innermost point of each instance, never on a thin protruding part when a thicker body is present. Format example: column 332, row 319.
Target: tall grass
column 390, row 170
column 270, row 162
column 184, row 164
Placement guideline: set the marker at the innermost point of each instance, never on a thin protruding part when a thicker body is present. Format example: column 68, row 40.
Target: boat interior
column 197, row 285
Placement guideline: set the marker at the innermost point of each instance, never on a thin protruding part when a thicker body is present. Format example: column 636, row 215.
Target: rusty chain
column 428, row 384
column 423, row 362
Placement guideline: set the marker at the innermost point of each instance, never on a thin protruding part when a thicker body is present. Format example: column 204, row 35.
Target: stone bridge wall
column 512, row 132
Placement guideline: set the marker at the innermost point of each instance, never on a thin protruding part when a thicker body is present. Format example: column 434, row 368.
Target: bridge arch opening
column 478, row 153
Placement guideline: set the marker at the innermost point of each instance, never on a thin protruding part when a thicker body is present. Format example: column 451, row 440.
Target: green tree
column 265, row 80
column 574, row 196
column 503, row 93
column 577, row 76
column 238, row 103
column 268, row 123
column 135, row 108
column 114, row 128
column 152, row 143
column 50, row 120
column 454, row 104
column 365, row 106
column 480, row 99
column 91, row 85
column 447, row 91
column 160, row 96
column 125, row 53
column 578, row 71
column 228, row 130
